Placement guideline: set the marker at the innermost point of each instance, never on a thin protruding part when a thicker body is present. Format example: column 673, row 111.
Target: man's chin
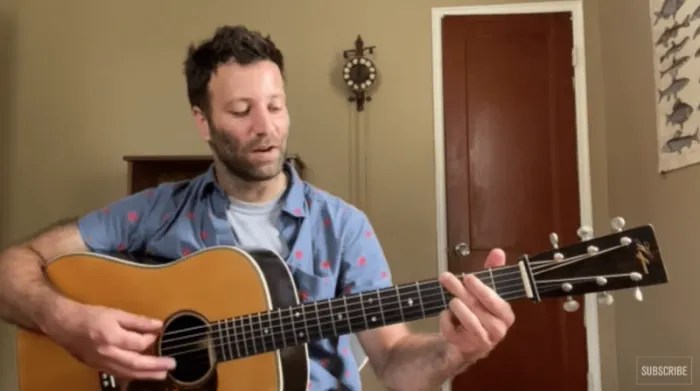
column 256, row 174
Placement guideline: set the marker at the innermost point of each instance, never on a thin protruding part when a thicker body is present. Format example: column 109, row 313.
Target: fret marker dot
column 301, row 334
column 374, row 319
column 266, row 331
column 410, row 302
column 340, row 316
column 296, row 314
column 370, row 300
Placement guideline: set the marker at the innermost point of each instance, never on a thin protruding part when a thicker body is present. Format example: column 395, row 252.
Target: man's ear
column 201, row 121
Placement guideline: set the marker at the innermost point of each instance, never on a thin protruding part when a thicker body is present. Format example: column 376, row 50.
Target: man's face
column 248, row 122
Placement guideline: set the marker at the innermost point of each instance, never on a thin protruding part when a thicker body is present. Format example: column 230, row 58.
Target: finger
column 137, row 362
column 490, row 300
column 130, row 340
column 453, row 285
column 495, row 327
column 496, row 258
column 469, row 320
column 123, row 373
column 138, row 322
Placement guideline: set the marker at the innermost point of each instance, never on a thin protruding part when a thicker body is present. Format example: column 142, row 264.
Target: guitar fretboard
column 282, row 327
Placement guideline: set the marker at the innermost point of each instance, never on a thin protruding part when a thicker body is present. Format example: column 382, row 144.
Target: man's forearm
column 25, row 293
column 421, row 362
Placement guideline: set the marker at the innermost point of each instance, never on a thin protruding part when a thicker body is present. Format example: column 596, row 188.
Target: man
column 249, row 198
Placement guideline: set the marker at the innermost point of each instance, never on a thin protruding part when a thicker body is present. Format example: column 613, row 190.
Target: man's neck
column 252, row 192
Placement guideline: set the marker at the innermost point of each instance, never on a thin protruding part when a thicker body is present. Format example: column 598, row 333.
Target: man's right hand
column 109, row 340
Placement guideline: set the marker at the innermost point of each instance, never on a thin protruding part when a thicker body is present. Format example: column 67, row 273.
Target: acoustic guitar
column 233, row 320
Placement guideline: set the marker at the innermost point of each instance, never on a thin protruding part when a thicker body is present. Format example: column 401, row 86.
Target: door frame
column 575, row 7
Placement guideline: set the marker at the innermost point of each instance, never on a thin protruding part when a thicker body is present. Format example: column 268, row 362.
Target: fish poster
column 675, row 26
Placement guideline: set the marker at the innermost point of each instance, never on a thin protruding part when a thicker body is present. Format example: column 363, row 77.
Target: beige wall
column 667, row 322
column 103, row 79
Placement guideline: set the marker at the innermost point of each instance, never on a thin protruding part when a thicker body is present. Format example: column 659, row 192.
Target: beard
column 232, row 155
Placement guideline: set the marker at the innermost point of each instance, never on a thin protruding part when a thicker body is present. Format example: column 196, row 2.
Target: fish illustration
column 675, row 48
column 680, row 113
column 676, row 143
column 668, row 9
column 672, row 32
column 696, row 14
column 673, row 89
column 675, row 65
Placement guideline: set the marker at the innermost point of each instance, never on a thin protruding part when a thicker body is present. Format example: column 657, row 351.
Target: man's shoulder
column 331, row 205
column 179, row 190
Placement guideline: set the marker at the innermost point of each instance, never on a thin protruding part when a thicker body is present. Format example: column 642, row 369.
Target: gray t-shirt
column 255, row 225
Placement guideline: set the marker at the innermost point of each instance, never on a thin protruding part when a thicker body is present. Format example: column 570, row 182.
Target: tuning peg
column 554, row 239
column 570, row 305
column 605, row 298
column 617, row 223
column 638, row 294
column 585, row 233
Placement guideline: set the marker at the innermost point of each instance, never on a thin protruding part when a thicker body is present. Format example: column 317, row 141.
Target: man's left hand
column 477, row 319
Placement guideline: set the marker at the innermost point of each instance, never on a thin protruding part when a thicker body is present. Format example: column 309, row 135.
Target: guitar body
column 215, row 283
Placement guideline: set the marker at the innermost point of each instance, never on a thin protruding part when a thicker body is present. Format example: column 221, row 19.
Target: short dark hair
column 228, row 43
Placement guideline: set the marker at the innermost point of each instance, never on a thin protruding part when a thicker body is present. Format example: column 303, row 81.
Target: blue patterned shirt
column 332, row 247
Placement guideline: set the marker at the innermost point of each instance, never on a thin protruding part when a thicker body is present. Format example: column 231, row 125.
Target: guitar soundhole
column 187, row 338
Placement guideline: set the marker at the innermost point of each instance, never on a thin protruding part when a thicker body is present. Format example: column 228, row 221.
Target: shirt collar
column 293, row 199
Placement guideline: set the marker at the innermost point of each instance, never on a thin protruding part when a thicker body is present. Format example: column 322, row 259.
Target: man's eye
column 240, row 113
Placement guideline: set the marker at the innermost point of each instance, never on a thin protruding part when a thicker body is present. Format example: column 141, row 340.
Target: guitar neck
column 283, row 327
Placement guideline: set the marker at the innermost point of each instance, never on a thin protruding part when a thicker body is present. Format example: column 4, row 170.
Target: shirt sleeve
column 364, row 266
column 119, row 226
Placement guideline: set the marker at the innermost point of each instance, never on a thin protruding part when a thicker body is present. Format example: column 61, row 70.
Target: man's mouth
column 264, row 149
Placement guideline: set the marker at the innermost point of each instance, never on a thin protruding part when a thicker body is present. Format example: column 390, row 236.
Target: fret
column 294, row 329
column 420, row 298
column 318, row 319
column 362, row 308
column 381, row 310
column 389, row 305
column 331, row 316
column 272, row 332
column 228, row 338
column 263, row 332
column 493, row 281
column 409, row 302
column 283, row 329
column 252, row 334
column 347, row 315
column 302, row 335
column 219, row 348
column 431, row 293
column 398, row 300
column 244, row 337
column 372, row 309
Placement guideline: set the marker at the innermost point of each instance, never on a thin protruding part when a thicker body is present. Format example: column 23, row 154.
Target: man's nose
column 262, row 121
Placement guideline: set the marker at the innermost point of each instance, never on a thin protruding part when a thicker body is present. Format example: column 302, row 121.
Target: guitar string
column 321, row 323
column 350, row 305
column 203, row 354
column 499, row 276
column 305, row 319
column 303, row 322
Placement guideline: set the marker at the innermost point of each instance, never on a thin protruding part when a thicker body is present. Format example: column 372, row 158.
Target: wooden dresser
column 149, row 171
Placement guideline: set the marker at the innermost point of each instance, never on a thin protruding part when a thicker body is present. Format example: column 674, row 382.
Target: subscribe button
column 665, row 370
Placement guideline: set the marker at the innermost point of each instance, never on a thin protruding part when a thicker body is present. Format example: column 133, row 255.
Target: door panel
column 511, row 179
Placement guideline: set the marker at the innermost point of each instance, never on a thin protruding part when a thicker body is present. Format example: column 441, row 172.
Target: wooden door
column 511, row 180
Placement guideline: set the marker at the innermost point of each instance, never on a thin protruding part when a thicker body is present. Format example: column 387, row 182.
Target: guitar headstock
column 623, row 259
